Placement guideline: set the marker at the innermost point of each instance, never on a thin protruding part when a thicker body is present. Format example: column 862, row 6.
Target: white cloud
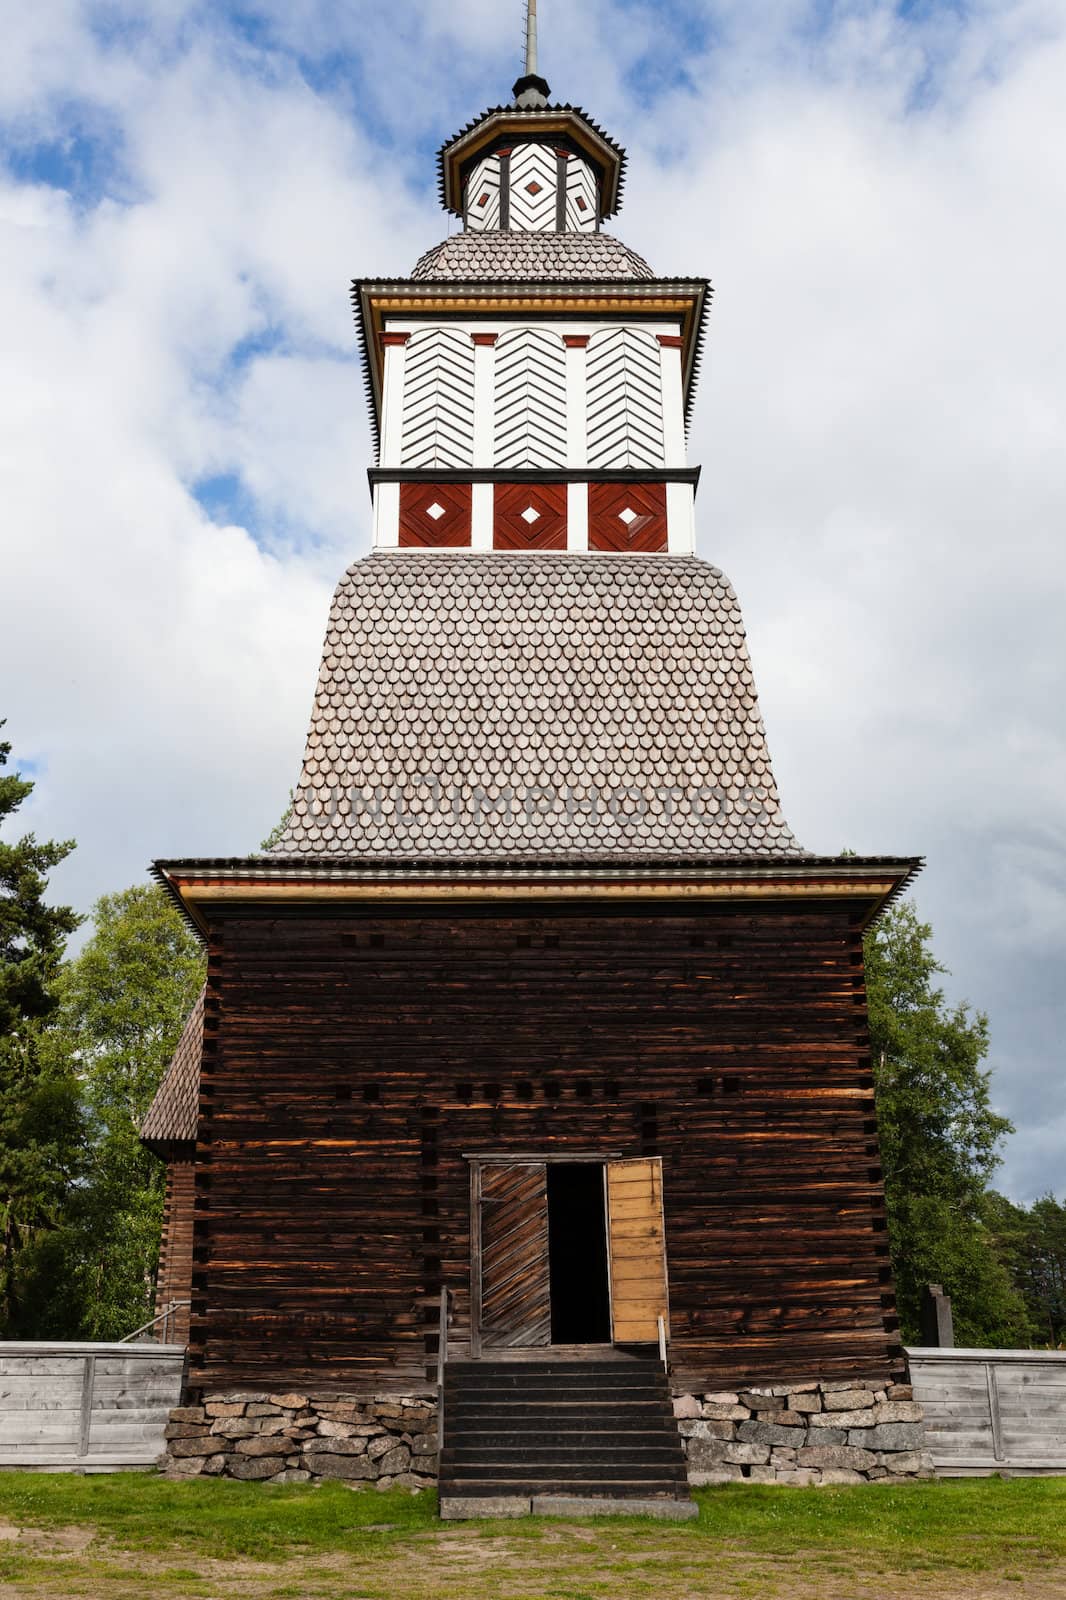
column 880, row 420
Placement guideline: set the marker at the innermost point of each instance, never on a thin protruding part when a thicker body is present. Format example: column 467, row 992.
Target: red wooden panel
column 435, row 515
column 529, row 516
column 627, row 516
column 515, row 1298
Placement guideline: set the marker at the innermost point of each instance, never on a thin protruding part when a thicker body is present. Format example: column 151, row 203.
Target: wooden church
column 537, row 1011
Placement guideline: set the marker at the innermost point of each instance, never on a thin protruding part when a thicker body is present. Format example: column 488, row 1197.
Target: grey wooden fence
column 992, row 1411
column 86, row 1407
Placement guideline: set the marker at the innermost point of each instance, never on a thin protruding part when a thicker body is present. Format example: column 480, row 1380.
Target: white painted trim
column 673, row 394
column 680, row 519
column 484, row 403
column 504, row 324
column 577, row 516
column 576, row 407
column 391, row 451
column 482, row 500
column 386, row 516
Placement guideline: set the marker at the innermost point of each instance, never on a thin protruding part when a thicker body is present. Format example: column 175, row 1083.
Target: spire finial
column 531, row 91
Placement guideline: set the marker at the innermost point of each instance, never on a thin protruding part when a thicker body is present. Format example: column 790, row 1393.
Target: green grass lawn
column 123, row 1535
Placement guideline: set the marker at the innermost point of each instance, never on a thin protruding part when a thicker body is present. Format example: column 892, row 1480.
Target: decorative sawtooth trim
column 481, row 212
column 532, row 188
column 530, row 409
column 582, row 199
column 435, row 516
column 628, row 516
column 625, row 399
column 530, row 516
column 438, row 401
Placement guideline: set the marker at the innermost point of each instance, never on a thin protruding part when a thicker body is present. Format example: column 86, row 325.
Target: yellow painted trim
column 765, row 889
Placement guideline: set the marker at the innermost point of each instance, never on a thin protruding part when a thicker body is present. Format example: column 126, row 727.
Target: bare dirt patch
column 567, row 1562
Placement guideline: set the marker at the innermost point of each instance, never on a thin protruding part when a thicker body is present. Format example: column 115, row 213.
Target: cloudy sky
column 876, row 191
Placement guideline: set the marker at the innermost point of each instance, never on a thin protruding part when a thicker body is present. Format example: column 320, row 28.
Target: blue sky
column 186, row 191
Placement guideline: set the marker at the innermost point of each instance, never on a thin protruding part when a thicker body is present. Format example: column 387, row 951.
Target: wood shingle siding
column 358, row 1059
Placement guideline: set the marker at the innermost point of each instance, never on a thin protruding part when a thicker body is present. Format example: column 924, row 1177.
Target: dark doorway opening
column 577, row 1254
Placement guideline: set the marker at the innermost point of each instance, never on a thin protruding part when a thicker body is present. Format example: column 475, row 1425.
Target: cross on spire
column 531, row 91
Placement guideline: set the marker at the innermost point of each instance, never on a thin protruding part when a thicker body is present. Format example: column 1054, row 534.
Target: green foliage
column 40, row 1126
column 1032, row 1245
column 122, row 1005
column 236, row 1539
column 940, row 1138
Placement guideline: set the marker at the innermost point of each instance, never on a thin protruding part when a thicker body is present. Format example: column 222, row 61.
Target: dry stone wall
column 805, row 1434
column 293, row 1438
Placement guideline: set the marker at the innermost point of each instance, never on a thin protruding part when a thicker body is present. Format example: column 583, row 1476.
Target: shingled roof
column 544, row 705
column 171, row 1118
column 552, row 257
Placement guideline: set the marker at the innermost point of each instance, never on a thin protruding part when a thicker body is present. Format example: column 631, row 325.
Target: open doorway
column 577, row 1254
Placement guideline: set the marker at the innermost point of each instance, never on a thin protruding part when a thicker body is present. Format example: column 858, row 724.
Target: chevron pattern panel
column 534, row 176
column 483, row 195
column 530, row 399
column 625, row 399
column 581, row 204
column 529, row 516
column 627, row 516
column 438, row 399
column 435, row 516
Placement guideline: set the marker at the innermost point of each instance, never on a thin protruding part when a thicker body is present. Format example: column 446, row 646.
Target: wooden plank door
column 515, row 1308
column 637, row 1250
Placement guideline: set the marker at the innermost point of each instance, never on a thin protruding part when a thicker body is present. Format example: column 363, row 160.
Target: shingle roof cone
column 537, row 705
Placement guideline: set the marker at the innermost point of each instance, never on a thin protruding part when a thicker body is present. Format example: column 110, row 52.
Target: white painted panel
column 673, row 405
column 386, row 516
column 530, row 422
column 483, row 196
column 484, row 403
column 581, row 200
column 576, row 406
column 438, row 399
column 481, row 498
column 625, row 400
column 534, row 183
column 680, row 519
column 577, row 516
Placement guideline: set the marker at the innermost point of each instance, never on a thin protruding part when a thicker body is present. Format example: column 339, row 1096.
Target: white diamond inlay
column 627, row 516
column 530, row 515
column 435, row 511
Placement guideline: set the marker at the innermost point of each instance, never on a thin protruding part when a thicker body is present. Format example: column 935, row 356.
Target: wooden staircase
column 560, row 1437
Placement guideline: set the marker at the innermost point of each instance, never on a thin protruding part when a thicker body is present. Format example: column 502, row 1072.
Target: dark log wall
column 174, row 1278
column 350, row 1062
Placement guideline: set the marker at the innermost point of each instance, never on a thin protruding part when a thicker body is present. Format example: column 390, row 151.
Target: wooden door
column 515, row 1299
column 637, row 1250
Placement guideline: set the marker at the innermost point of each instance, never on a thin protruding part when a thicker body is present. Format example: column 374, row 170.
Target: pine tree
column 40, row 1125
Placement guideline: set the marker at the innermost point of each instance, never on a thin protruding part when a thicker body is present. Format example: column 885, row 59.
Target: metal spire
column 531, row 92
column 531, row 38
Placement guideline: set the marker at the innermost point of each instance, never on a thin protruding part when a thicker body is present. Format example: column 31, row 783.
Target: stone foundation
column 805, row 1434
column 292, row 1438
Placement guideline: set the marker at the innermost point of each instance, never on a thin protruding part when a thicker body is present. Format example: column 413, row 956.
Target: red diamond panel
column 534, row 188
column 512, row 531
column 609, row 530
column 417, row 527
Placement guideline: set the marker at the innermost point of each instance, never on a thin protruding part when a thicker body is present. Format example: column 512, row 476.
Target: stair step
column 617, row 1488
column 607, row 1471
column 581, row 1428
